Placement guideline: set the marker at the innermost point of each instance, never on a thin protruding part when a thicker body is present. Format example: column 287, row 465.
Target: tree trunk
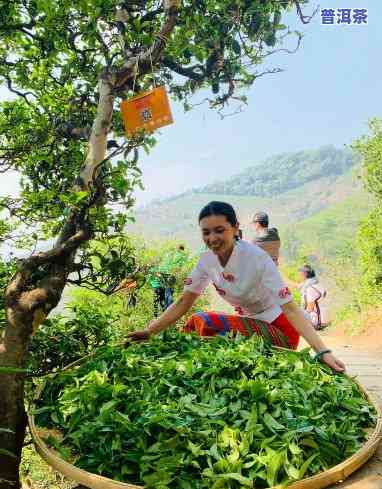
column 13, row 417
column 29, row 299
column 26, row 309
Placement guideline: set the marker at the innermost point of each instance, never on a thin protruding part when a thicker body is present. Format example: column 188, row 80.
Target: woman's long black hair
column 216, row 208
column 309, row 271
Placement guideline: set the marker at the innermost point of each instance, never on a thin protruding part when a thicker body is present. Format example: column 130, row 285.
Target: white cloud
column 9, row 184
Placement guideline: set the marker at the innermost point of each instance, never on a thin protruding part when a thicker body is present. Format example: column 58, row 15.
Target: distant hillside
column 177, row 218
column 285, row 172
column 327, row 232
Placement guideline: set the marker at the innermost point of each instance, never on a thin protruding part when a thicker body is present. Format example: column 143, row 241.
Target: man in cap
column 267, row 238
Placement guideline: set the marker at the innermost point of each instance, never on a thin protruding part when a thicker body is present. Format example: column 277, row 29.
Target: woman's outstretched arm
column 297, row 319
column 169, row 317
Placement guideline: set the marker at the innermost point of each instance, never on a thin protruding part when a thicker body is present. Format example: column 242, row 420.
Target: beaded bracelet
column 319, row 354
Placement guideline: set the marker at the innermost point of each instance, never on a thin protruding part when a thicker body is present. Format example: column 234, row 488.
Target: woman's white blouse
column 250, row 281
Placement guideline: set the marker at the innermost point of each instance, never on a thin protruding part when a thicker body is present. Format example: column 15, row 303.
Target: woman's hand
column 142, row 335
column 169, row 317
column 333, row 362
column 296, row 317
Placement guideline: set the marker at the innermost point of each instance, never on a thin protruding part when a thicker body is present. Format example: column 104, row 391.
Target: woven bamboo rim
column 319, row 481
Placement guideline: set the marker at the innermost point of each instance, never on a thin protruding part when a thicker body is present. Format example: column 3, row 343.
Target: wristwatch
column 320, row 353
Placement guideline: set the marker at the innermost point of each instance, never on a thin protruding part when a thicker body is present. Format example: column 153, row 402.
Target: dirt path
column 363, row 358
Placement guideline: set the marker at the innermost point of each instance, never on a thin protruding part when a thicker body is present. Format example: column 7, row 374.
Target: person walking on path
column 245, row 277
column 267, row 238
column 312, row 293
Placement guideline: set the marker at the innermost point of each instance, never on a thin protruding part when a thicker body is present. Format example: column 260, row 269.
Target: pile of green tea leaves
column 186, row 413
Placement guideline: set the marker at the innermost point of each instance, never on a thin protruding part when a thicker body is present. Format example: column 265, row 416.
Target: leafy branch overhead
column 105, row 266
column 54, row 54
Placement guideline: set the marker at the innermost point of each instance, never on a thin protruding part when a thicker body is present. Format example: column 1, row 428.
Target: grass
column 37, row 474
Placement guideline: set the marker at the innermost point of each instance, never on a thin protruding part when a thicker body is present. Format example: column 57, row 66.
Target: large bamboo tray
column 319, row 481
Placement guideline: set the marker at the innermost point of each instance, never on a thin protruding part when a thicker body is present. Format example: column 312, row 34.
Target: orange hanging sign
column 147, row 111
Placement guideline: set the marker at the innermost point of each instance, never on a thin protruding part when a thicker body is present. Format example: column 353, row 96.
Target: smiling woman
column 219, row 227
column 245, row 277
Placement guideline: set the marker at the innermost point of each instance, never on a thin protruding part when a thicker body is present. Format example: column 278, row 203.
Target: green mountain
column 328, row 232
column 290, row 187
column 285, row 172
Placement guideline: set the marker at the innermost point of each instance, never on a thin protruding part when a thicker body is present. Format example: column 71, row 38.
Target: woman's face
column 218, row 233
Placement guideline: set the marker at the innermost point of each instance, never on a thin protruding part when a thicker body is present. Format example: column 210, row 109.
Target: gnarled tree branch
column 60, row 251
column 188, row 72
column 142, row 62
column 305, row 19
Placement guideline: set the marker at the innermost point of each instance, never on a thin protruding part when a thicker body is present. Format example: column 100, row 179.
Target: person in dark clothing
column 163, row 277
column 155, row 281
column 267, row 238
column 171, row 267
column 159, row 300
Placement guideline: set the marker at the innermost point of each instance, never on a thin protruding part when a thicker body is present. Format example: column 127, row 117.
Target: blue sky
column 327, row 93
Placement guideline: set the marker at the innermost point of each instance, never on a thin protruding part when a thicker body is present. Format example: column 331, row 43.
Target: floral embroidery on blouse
column 229, row 277
column 283, row 293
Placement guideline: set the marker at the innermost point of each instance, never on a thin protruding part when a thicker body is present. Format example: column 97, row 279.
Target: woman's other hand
column 141, row 335
column 169, row 317
column 333, row 362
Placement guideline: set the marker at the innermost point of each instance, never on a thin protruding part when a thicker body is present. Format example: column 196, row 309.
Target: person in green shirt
column 169, row 268
column 162, row 279
column 155, row 282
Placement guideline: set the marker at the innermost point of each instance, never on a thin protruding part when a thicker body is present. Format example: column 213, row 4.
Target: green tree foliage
column 370, row 149
column 369, row 240
column 93, row 318
column 68, row 66
column 62, row 340
column 356, row 264
column 369, row 243
column 104, row 263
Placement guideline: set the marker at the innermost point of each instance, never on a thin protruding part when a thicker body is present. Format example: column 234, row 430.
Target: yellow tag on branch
column 146, row 111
